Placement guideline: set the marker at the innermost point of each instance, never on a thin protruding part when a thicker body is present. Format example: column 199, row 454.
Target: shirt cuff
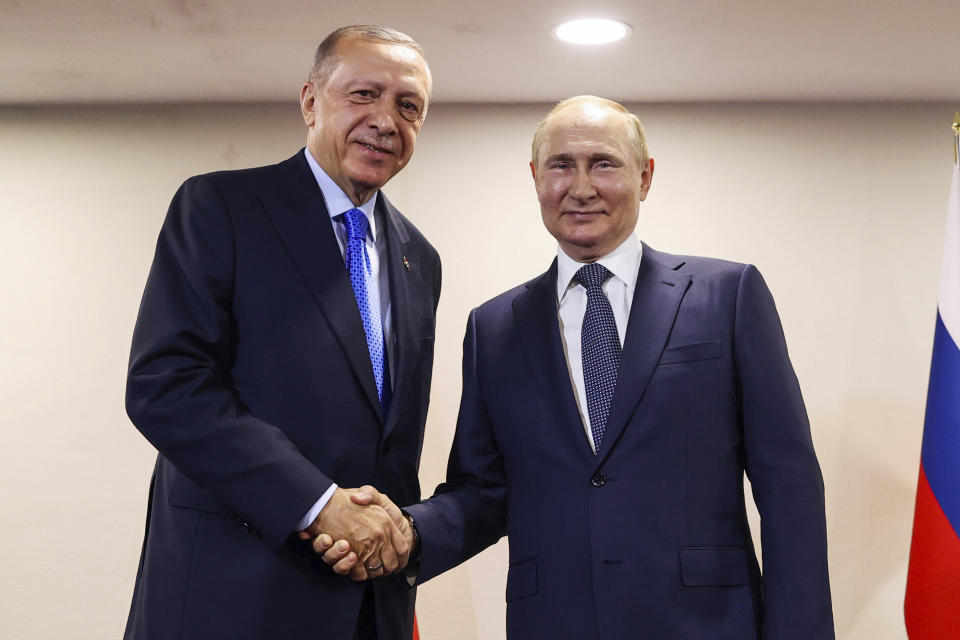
column 317, row 507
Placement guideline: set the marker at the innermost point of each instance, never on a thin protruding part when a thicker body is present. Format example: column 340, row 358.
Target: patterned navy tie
column 599, row 349
column 358, row 264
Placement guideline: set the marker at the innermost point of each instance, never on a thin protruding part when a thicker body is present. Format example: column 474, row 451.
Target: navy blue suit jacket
column 250, row 374
column 648, row 539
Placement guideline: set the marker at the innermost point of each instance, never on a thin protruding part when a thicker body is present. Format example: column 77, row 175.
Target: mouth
column 582, row 215
column 374, row 148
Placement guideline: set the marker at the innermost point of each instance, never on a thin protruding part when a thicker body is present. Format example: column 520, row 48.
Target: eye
column 604, row 164
column 409, row 109
column 560, row 164
column 364, row 94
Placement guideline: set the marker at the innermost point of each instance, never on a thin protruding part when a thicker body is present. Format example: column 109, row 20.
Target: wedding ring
column 375, row 567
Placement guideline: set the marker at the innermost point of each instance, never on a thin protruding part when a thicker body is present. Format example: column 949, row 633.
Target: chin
column 584, row 242
column 368, row 171
column 370, row 179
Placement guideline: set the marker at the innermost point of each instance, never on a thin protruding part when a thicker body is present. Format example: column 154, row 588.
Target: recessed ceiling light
column 592, row 31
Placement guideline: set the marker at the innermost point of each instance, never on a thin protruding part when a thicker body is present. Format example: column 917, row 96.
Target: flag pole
column 956, row 138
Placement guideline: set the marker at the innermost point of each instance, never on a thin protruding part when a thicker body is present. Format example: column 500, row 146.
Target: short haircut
column 325, row 59
column 637, row 134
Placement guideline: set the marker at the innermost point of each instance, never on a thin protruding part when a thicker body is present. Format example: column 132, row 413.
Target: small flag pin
column 406, row 263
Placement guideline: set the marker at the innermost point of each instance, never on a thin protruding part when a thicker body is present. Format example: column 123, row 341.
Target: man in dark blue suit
column 610, row 410
column 283, row 353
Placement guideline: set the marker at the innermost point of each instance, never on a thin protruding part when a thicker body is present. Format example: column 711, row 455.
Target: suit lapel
column 299, row 215
column 656, row 300
column 403, row 270
column 535, row 311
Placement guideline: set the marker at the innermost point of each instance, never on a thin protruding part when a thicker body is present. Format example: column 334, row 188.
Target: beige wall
column 841, row 207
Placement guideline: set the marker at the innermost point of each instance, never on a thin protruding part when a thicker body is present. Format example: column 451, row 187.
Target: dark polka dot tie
column 599, row 349
column 358, row 265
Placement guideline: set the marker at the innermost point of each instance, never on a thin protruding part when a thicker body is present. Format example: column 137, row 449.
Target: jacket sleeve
column 468, row 512
column 179, row 393
column 783, row 471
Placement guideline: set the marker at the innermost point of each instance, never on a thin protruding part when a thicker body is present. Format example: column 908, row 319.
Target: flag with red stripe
column 932, row 604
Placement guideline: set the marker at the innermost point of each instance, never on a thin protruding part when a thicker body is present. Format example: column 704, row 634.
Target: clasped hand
column 373, row 537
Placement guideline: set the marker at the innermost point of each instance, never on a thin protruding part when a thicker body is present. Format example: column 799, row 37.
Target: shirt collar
column 337, row 201
column 623, row 262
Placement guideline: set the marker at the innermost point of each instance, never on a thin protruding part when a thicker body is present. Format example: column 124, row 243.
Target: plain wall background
column 841, row 206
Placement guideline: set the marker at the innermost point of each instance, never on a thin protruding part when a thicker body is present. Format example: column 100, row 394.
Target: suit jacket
column 648, row 539
column 250, row 374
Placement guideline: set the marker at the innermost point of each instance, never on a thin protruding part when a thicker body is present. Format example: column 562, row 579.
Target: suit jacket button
column 598, row 479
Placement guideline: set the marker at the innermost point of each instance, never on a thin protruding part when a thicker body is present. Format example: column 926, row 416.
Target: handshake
column 361, row 533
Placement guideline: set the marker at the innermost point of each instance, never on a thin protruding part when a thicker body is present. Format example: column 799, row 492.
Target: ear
column 645, row 179
column 308, row 99
column 533, row 171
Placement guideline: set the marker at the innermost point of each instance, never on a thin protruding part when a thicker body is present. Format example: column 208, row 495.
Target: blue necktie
column 358, row 264
column 599, row 349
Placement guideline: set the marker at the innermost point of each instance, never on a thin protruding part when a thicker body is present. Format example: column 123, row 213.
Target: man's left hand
column 339, row 555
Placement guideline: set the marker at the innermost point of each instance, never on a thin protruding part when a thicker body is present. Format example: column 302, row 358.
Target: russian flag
column 932, row 604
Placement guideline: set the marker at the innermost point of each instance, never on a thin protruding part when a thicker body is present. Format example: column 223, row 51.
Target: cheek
column 409, row 132
column 346, row 124
column 543, row 195
column 612, row 188
column 616, row 193
column 552, row 193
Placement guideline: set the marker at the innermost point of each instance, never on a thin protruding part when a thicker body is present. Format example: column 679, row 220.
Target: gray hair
column 637, row 134
column 325, row 59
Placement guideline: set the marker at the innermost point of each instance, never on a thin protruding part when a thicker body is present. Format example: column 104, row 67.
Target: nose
column 382, row 118
column 582, row 189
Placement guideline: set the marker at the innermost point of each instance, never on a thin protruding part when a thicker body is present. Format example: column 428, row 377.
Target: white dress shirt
column 623, row 263
column 338, row 203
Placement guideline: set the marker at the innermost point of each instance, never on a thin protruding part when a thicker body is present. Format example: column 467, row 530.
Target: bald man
column 611, row 407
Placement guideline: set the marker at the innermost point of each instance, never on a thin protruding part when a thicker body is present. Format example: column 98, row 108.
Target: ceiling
column 494, row 51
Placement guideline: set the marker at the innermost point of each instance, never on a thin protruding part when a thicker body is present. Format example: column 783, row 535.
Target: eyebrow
column 380, row 86
column 594, row 157
column 367, row 81
column 559, row 156
column 606, row 156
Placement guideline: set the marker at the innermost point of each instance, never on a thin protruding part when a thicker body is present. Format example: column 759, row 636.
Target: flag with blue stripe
column 932, row 604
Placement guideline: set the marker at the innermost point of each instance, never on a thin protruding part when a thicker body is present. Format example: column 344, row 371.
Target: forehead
column 587, row 128
column 362, row 60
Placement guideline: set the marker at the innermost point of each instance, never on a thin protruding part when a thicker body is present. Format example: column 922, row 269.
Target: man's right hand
column 374, row 534
column 339, row 554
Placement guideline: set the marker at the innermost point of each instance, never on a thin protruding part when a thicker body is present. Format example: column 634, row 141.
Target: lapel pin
column 406, row 263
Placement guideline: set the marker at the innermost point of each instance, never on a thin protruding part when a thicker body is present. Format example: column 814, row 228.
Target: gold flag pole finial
column 956, row 138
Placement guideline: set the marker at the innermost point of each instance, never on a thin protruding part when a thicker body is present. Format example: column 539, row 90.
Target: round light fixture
column 592, row 31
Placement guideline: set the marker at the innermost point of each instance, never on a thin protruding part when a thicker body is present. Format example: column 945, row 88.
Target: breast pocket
column 692, row 352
